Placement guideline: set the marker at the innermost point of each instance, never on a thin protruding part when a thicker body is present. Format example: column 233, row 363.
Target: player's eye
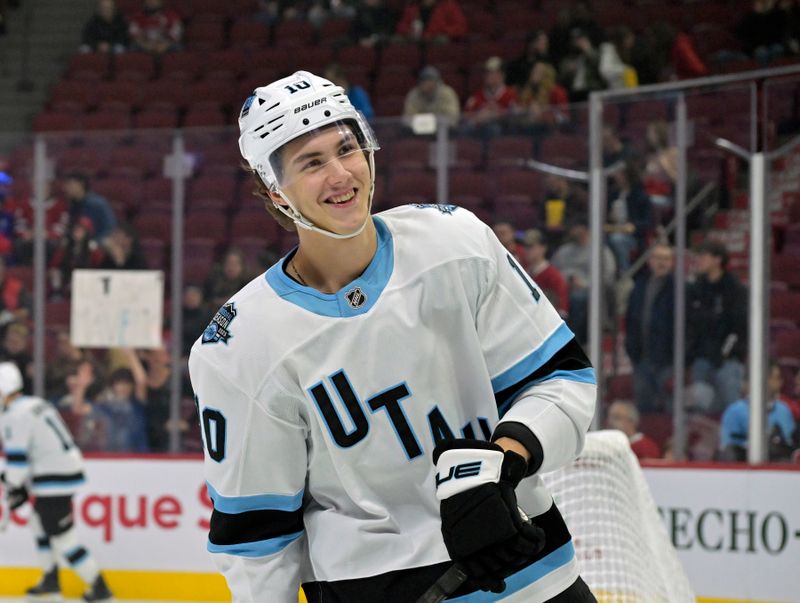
column 314, row 163
column 347, row 148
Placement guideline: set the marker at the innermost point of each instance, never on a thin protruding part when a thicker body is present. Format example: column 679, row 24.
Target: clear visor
column 331, row 151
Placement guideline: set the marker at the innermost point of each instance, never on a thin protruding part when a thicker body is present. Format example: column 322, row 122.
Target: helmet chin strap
column 305, row 223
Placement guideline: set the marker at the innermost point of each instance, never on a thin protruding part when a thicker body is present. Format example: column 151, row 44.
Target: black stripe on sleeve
column 16, row 457
column 55, row 477
column 571, row 357
column 76, row 556
column 253, row 526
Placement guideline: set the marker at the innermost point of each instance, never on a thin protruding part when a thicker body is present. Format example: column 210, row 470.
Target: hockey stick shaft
column 445, row 586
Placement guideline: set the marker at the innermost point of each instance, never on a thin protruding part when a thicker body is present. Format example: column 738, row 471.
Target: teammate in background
column 42, row 460
column 623, row 415
column 326, row 385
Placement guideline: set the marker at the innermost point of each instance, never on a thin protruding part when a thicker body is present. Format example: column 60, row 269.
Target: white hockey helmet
column 288, row 108
column 10, row 379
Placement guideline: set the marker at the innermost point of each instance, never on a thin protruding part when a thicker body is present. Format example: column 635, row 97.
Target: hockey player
column 327, row 385
column 43, row 461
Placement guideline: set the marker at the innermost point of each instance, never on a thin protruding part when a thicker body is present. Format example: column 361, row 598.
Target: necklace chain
column 297, row 274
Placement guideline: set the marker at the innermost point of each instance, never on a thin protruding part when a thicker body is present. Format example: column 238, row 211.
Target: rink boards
column 737, row 531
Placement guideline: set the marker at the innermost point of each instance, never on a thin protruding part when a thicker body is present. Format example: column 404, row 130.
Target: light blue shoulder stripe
column 255, row 502
column 16, row 463
column 524, row 578
column 534, row 360
column 259, row 548
column 584, row 375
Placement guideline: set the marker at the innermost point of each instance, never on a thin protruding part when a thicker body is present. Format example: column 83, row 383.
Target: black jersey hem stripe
column 16, row 457
column 53, row 478
column 413, row 582
column 252, row 526
column 570, row 357
column 76, row 556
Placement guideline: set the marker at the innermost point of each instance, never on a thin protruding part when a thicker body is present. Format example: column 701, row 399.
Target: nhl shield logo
column 219, row 328
column 356, row 297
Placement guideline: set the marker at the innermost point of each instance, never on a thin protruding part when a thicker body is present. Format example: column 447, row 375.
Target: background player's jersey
column 320, row 411
column 39, row 449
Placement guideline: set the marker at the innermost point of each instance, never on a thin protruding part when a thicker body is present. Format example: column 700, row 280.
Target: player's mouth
column 345, row 199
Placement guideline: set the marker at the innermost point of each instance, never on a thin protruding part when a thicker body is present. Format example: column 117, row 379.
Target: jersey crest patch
column 444, row 208
column 356, row 297
column 219, row 328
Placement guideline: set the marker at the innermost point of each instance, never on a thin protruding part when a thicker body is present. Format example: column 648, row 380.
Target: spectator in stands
column 83, row 201
column 543, row 103
column 156, row 29
column 614, row 148
column 359, row 97
column 89, row 429
column 56, row 222
column 122, row 409
column 6, row 216
column 374, row 22
column 15, row 299
column 793, row 400
column 563, row 203
column 649, row 323
column 487, row 107
column 661, row 168
column 158, row 378
column 433, row 21
column 615, row 59
column 537, row 50
column 623, row 415
column 505, row 231
column 75, row 251
column 17, row 349
column 790, row 17
column 196, row 315
column 226, row 278
column 580, row 70
column 716, row 325
column 572, row 260
column 780, row 430
column 679, row 51
column 64, row 362
column 122, row 250
column 546, row 276
column 106, row 31
column 629, row 215
column 760, row 31
column 431, row 95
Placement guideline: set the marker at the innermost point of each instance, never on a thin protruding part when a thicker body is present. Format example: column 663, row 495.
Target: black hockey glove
column 17, row 497
column 482, row 526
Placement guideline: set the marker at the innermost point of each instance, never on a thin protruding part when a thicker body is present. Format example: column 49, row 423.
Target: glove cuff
column 514, row 468
column 461, row 469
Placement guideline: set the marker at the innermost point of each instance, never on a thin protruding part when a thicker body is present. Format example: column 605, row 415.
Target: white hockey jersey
column 40, row 453
column 320, row 411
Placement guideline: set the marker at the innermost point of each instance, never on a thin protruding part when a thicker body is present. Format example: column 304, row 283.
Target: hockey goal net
column 623, row 550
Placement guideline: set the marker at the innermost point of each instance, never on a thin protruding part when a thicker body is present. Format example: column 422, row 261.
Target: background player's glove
column 17, row 497
column 482, row 526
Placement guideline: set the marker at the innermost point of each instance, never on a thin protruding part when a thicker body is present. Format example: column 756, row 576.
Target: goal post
column 622, row 546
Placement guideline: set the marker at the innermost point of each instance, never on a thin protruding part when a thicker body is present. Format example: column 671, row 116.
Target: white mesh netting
column 623, row 549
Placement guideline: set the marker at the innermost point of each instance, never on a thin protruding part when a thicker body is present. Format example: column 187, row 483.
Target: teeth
column 343, row 198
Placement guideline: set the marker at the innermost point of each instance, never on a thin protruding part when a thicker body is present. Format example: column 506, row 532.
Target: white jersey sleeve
column 544, row 385
column 40, row 452
column 255, row 465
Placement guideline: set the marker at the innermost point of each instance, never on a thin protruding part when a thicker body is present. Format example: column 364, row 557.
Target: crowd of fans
column 118, row 400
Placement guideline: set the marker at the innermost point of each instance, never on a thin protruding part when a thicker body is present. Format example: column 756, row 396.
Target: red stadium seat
column 140, row 64
column 156, row 118
column 509, row 151
column 563, row 145
column 469, row 182
column 231, row 60
column 154, row 251
column 389, row 106
column 786, row 268
column 455, row 53
column 72, row 91
column 153, row 226
column 411, row 186
column 406, row 56
column 410, row 153
column 246, row 33
column 203, row 117
column 393, row 82
column 200, row 249
column 353, row 56
column 205, row 35
column 89, row 66
column 334, row 31
column 57, row 313
column 183, row 65
column 519, row 182
column 295, row 32
column 255, row 223
column 787, row 344
column 107, row 120
column 57, row 121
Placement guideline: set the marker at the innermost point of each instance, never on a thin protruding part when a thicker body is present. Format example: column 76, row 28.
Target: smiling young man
column 371, row 403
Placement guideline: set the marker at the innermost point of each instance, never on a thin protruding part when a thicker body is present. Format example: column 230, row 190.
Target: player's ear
column 276, row 199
